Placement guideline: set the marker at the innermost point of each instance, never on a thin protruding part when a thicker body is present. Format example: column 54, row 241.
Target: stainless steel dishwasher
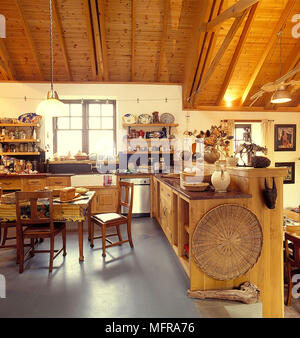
column 141, row 196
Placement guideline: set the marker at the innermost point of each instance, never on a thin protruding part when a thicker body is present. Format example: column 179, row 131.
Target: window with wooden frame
column 89, row 127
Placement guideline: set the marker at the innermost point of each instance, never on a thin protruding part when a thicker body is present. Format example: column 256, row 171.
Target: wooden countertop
column 33, row 175
column 174, row 183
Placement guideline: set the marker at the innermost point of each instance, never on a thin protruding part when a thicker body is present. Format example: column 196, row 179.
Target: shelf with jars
column 17, row 138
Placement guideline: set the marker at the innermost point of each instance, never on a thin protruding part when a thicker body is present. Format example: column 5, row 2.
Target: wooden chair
column 4, row 226
column 39, row 225
column 107, row 220
column 292, row 260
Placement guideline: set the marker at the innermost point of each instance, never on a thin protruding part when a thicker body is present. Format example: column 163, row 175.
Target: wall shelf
column 19, row 125
column 19, row 153
column 150, row 124
column 20, row 141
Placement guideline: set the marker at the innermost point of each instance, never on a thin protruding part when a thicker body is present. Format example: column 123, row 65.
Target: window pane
column 63, row 123
column 94, row 123
column 70, row 140
column 101, row 142
column 76, row 122
column 107, row 123
column 76, row 109
column 107, row 109
column 94, row 109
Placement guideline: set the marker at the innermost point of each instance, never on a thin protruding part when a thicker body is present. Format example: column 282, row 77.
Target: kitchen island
column 179, row 212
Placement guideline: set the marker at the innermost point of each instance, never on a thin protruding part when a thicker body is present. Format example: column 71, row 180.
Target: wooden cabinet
column 166, row 211
column 59, row 181
column 105, row 200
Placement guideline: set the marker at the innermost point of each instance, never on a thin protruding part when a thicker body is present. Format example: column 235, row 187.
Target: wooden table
column 77, row 211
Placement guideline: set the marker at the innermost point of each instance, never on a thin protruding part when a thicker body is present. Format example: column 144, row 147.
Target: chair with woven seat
column 37, row 223
column 292, row 261
column 107, row 220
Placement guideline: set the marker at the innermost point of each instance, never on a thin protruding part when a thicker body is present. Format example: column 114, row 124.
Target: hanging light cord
column 51, row 46
column 280, row 41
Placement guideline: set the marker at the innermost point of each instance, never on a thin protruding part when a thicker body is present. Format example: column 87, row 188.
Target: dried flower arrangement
column 216, row 139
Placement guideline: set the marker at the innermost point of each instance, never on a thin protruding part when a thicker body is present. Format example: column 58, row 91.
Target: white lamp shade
column 52, row 107
column 281, row 96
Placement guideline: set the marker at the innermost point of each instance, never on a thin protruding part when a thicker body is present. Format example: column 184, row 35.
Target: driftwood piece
column 248, row 294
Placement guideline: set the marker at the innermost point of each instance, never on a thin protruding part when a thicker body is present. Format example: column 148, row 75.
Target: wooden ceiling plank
column 30, row 39
column 207, row 49
column 202, row 13
column 293, row 58
column 237, row 53
column 133, row 31
column 61, row 39
column 233, row 11
column 3, row 71
column 163, row 38
column 101, row 15
column 6, row 62
column 97, row 39
column 90, row 39
column 230, row 35
column 283, row 18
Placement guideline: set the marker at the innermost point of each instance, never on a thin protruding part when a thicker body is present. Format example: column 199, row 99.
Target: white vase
column 220, row 178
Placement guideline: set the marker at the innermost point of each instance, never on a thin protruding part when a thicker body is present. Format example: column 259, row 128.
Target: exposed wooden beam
column 27, row 32
column 133, row 31
column 97, row 39
column 207, row 48
column 283, row 18
column 7, row 66
column 230, row 35
column 242, row 109
column 90, row 38
column 61, row 38
column 3, row 70
column 202, row 13
column 101, row 16
column 233, row 11
column 237, row 53
column 163, row 38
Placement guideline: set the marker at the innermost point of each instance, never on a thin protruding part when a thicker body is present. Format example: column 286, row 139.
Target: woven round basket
column 227, row 242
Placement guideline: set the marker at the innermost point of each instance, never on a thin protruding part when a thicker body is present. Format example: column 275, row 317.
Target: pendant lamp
column 281, row 95
column 52, row 105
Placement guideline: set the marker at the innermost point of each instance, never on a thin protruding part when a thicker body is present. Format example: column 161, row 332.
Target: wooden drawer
column 13, row 183
column 105, row 200
column 32, row 184
column 59, row 181
column 167, row 195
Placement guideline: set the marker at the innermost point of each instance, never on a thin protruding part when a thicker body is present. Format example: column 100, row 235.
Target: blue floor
column 144, row 282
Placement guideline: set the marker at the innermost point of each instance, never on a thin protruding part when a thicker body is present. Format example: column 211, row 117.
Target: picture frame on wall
column 285, row 137
column 290, row 177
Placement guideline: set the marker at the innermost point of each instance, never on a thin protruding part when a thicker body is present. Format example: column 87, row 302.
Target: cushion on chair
column 108, row 217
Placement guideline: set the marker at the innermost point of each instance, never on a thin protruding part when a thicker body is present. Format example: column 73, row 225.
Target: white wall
column 151, row 98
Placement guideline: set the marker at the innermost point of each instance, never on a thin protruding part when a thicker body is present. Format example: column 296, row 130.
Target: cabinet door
column 105, row 200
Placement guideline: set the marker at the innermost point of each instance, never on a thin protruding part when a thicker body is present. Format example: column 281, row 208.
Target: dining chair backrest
column 126, row 196
column 36, row 212
column 294, row 258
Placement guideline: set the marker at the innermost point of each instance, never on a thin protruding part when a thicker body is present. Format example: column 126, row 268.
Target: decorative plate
column 129, row 118
column 144, row 118
column 167, row 118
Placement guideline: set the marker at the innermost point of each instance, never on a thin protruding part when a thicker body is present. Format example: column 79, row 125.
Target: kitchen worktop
column 174, row 183
column 33, row 175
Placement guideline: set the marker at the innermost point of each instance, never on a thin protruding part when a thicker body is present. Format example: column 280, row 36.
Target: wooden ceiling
column 221, row 51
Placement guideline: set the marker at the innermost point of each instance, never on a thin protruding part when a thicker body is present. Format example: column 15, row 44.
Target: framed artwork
column 290, row 177
column 285, row 137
